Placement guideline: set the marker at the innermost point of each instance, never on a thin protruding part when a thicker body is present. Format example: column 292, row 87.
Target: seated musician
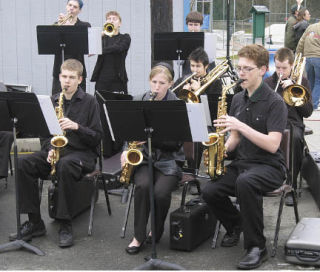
column 284, row 60
column 6, row 139
column 257, row 119
column 81, row 123
column 167, row 160
column 199, row 63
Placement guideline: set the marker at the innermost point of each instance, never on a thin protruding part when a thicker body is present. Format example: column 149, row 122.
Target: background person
column 73, row 7
column 6, row 140
column 303, row 19
column 168, row 157
column 284, row 59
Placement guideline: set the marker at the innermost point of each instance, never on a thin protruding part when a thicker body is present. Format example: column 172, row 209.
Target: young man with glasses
column 283, row 60
column 256, row 121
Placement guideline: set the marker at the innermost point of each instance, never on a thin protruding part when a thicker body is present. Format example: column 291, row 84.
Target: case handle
column 185, row 190
column 311, row 257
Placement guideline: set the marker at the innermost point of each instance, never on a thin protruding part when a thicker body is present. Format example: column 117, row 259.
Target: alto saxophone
column 58, row 141
column 134, row 156
column 214, row 153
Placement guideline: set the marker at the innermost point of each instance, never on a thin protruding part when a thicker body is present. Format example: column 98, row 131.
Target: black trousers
column 6, row 139
column 298, row 135
column 56, row 86
column 248, row 182
column 163, row 187
column 69, row 169
column 114, row 86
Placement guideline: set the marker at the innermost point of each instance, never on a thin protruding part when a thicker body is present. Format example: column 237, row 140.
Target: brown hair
column 284, row 54
column 113, row 12
column 194, row 17
column 301, row 14
column 72, row 65
column 158, row 69
column 255, row 52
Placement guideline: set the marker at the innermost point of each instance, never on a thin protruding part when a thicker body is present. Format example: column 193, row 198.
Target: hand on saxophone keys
column 66, row 123
column 51, row 154
column 228, row 122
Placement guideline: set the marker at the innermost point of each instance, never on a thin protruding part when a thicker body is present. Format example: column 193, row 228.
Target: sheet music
column 204, row 101
column 197, row 121
column 94, row 39
column 210, row 41
column 49, row 114
column 108, row 120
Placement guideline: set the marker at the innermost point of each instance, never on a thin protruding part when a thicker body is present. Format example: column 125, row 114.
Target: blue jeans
column 313, row 74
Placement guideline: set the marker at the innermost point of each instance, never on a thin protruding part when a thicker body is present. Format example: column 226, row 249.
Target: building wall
column 19, row 59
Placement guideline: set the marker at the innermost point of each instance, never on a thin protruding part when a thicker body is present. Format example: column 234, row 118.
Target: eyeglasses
column 245, row 69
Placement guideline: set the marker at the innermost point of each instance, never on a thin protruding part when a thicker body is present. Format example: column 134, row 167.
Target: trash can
column 259, row 21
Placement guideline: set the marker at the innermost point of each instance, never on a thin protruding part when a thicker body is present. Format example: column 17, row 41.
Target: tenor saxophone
column 58, row 141
column 214, row 153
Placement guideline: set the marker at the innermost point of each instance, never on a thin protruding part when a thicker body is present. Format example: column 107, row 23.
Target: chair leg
column 216, row 234
column 10, row 164
column 276, row 234
column 106, row 194
column 92, row 206
column 126, row 215
column 295, row 205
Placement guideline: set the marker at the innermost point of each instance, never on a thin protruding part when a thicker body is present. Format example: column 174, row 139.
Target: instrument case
column 303, row 245
column 192, row 223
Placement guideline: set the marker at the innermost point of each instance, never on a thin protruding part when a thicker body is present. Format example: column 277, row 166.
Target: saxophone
column 134, row 156
column 214, row 153
column 58, row 141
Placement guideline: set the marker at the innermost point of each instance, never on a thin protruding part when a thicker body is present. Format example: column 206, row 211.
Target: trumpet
column 109, row 29
column 183, row 83
column 66, row 18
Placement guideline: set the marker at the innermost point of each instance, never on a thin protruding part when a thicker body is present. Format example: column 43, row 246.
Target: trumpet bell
column 109, row 29
column 187, row 96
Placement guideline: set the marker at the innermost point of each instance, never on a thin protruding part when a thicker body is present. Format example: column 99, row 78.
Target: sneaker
column 231, row 239
column 29, row 230
column 65, row 235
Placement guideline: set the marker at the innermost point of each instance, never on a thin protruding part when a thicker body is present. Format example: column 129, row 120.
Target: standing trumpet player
column 110, row 70
column 258, row 117
column 82, row 127
column 73, row 9
column 284, row 61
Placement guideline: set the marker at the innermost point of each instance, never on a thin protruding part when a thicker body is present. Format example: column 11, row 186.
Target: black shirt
column 110, row 66
column 79, row 57
column 264, row 111
column 295, row 114
column 84, row 110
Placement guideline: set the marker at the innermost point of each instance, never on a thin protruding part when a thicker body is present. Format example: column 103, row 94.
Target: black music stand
column 176, row 45
column 23, row 109
column 146, row 120
column 55, row 40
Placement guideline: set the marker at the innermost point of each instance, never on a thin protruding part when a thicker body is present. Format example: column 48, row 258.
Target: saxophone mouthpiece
column 240, row 81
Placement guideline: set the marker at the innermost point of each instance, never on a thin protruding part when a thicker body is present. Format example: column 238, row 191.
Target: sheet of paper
column 210, row 41
column 204, row 101
column 49, row 114
column 197, row 121
column 108, row 120
column 94, row 38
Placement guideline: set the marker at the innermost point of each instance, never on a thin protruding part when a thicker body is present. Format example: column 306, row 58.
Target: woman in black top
column 302, row 23
column 168, row 158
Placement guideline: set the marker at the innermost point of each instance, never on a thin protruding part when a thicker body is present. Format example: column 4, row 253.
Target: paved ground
column 104, row 250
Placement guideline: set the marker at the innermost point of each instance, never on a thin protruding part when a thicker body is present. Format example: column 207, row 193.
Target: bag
column 303, row 245
column 192, row 223
column 81, row 197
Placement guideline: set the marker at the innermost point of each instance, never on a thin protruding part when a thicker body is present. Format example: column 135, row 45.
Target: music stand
column 213, row 100
column 145, row 120
column 176, row 45
column 26, row 115
column 55, row 40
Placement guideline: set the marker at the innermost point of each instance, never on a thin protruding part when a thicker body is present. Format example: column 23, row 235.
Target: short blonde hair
column 114, row 13
column 158, row 69
column 72, row 65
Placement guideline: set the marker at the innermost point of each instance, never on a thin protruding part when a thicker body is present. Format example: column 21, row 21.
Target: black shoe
column 65, row 235
column 29, row 230
column 231, row 239
column 254, row 258
column 134, row 249
column 289, row 200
